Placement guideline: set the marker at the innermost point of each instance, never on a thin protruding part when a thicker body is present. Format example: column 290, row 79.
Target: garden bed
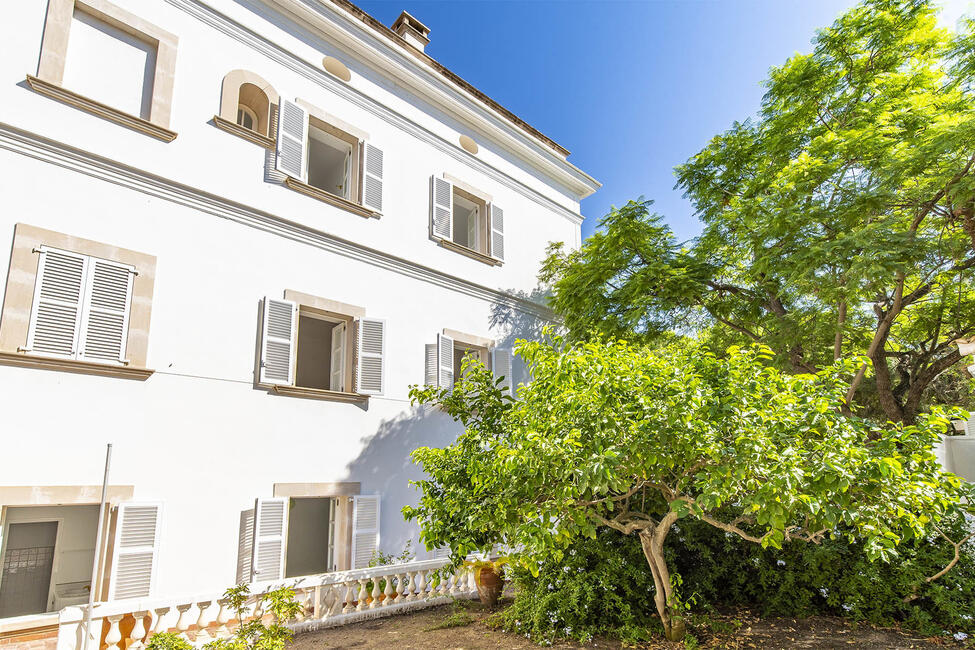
column 428, row 629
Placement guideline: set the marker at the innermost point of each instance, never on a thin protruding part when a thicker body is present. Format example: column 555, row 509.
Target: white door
column 337, row 370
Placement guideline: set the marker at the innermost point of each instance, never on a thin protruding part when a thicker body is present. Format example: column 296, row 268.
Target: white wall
column 198, row 435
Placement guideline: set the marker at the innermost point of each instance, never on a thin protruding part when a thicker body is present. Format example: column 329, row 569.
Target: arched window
column 246, row 117
column 247, row 100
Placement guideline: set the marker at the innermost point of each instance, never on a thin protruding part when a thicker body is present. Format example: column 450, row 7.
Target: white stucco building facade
column 238, row 302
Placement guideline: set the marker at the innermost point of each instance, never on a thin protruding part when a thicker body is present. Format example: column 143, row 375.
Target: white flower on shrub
column 960, row 636
column 780, row 562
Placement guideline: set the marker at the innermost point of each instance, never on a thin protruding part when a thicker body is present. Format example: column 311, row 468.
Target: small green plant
column 254, row 634
column 168, row 641
column 379, row 558
column 458, row 617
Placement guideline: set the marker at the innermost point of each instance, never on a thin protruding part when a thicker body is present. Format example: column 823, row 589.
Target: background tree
column 837, row 223
column 633, row 438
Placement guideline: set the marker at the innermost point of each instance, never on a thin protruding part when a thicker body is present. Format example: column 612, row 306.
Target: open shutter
column 370, row 360
column 365, row 529
column 290, row 155
column 55, row 316
column 372, row 177
column 136, row 555
column 278, row 344
column 497, row 232
column 445, row 361
column 501, row 365
column 270, row 528
column 431, row 364
column 245, row 545
column 105, row 320
column 336, row 379
column 442, row 213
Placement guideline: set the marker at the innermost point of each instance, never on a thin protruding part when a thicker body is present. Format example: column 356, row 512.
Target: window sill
column 241, row 132
column 74, row 365
column 469, row 252
column 319, row 393
column 330, row 198
column 72, row 98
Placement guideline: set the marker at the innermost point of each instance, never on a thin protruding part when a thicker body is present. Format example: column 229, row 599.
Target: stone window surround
column 336, row 310
column 479, row 344
column 342, row 492
column 54, row 49
column 484, row 200
column 19, row 296
column 226, row 119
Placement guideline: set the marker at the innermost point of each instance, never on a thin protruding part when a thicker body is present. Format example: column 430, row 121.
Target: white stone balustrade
column 328, row 600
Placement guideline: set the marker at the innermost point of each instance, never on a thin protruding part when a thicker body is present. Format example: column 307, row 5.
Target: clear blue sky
column 630, row 88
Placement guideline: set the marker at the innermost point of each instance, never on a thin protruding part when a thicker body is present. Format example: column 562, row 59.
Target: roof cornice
column 363, row 37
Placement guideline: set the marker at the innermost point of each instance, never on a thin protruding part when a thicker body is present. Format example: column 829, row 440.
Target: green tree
column 837, row 223
column 634, row 438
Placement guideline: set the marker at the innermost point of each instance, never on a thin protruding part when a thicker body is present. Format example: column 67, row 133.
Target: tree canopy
column 633, row 437
column 838, row 222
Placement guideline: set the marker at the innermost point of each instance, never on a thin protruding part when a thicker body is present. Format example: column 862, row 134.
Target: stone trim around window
column 241, row 132
column 54, row 49
column 19, row 296
column 230, row 99
column 331, row 199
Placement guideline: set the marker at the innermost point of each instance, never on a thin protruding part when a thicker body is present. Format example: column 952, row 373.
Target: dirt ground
column 419, row 630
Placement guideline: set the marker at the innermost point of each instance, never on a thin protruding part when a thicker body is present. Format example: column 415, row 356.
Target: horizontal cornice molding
column 333, row 20
column 41, row 148
column 276, row 53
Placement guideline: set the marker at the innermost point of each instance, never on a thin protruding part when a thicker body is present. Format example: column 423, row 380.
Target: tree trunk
column 652, row 541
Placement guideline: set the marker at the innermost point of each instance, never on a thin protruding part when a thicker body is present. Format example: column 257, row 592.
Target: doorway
column 28, row 564
column 311, row 534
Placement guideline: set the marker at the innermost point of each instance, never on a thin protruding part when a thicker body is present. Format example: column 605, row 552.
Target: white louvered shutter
column 290, row 157
column 245, row 545
column 371, row 356
column 431, row 365
column 138, row 528
column 445, row 361
column 497, row 232
column 365, row 529
column 55, row 316
column 442, row 212
column 105, row 319
column 280, row 330
column 336, row 370
column 372, row 177
column 270, row 532
column 501, row 365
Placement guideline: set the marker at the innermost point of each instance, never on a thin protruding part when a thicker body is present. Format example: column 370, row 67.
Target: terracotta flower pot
column 489, row 585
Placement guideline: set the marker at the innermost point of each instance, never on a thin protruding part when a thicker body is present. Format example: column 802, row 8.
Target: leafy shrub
column 168, row 641
column 834, row 578
column 254, row 634
column 600, row 588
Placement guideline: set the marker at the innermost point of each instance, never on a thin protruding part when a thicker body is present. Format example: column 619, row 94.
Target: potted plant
column 489, row 578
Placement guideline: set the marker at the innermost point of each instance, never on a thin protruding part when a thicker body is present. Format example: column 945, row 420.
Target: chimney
column 412, row 31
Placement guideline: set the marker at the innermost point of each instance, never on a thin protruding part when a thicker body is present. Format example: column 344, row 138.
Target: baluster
column 202, row 636
column 375, row 593
column 160, row 616
column 421, row 585
column 223, row 617
column 444, row 583
column 388, row 591
column 349, row 597
column 410, row 585
column 258, row 607
column 311, row 603
column 183, row 622
column 455, row 583
column 471, row 580
column 114, row 633
column 316, row 610
column 138, row 635
column 363, row 594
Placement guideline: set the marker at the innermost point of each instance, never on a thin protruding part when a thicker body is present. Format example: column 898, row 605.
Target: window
column 330, row 163
column 321, row 348
column 445, row 359
column 246, row 118
column 464, row 220
column 246, row 107
column 71, row 303
column 102, row 59
column 328, row 527
column 332, row 157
